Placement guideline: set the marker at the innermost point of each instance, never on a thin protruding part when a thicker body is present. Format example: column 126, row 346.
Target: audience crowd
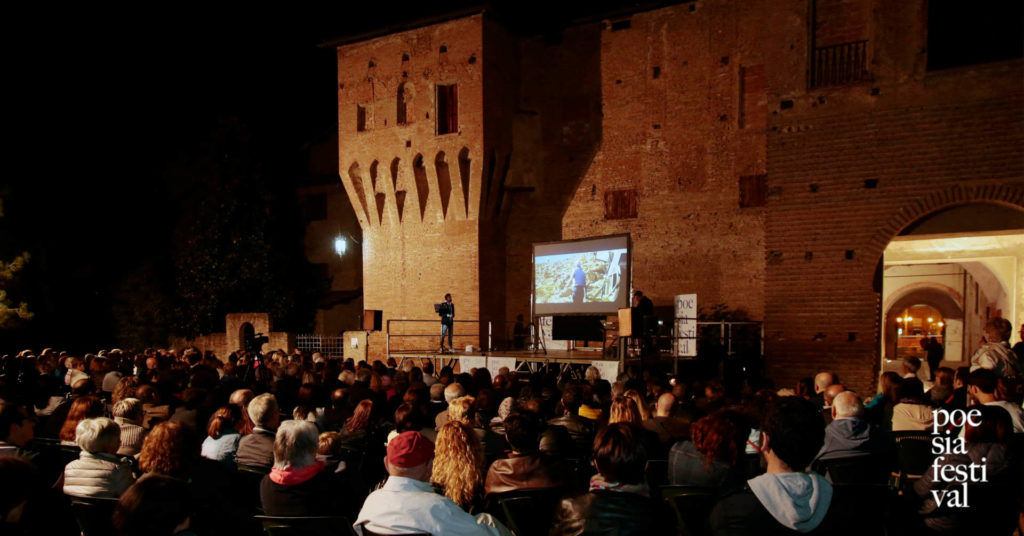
column 165, row 443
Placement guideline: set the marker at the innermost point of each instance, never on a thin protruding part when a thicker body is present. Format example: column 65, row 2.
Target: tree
column 10, row 315
column 238, row 241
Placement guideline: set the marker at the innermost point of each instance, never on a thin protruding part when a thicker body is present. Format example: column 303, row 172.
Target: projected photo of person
column 590, row 277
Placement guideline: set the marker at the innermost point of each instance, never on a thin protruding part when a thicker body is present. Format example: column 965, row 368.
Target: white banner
column 467, row 362
column 686, row 325
column 495, row 363
column 609, row 369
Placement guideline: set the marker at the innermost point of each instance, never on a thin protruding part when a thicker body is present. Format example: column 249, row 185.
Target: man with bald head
column 821, row 382
column 848, row 435
column 663, row 423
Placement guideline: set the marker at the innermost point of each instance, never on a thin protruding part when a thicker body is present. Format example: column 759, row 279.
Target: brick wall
column 849, row 167
column 670, row 87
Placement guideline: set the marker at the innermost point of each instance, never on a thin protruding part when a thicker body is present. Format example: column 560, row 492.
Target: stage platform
column 518, row 360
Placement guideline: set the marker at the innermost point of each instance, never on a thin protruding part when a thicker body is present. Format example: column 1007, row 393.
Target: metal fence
column 329, row 347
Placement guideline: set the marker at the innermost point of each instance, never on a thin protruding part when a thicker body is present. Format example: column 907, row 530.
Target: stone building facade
column 760, row 154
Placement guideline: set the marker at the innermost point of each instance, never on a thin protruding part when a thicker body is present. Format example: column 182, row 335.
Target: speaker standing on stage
column 447, row 312
column 579, row 288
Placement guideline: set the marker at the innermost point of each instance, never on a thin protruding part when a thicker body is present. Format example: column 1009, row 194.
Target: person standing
column 579, row 284
column 934, row 351
column 447, row 313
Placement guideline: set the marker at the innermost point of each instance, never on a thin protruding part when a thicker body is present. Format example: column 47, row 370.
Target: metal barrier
column 393, row 330
column 329, row 347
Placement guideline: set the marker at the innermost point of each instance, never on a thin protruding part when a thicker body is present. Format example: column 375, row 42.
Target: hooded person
column 785, row 498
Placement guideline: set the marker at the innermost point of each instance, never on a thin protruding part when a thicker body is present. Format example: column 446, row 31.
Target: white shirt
column 406, row 505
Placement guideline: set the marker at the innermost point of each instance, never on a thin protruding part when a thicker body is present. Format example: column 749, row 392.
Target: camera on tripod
column 254, row 343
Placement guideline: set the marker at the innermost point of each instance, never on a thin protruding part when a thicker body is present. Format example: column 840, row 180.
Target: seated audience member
column 125, row 388
column 222, row 439
column 943, row 387
column 668, row 428
column 188, row 412
column 996, row 354
column 459, row 467
column 712, row 458
column 994, row 504
column 85, row 407
column 830, row 393
column 625, row 410
column 14, row 499
column 329, row 451
column 408, row 419
column 848, row 435
column 257, row 448
column 910, row 365
column 785, row 498
column 451, row 392
column 98, row 472
column 497, row 424
column 911, row 412
column 128, row 415
column 821, row 382
column 337, row 412
column 156, row 505
column 581, row 430
column 437, row 404
column 958, row 400
column 407, row 502
column 298, row 485
column 526, row 467
column 151, row 406
column 464, row 410
column 17, row 428
column 981, row 389
column 242, row 398
column 358, row 426
column 618, row 501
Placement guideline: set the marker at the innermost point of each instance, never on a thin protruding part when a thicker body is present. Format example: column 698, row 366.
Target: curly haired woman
column 712, row 457
column 459, row 464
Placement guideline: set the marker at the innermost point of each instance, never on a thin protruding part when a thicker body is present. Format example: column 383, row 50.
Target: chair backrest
column 692, row 506
column 656, row 473
column 247, row 485
column 528, row 511
column 368, row 532
column 94, row 515
column 306, row 525
column 914, row 453
column 69, row 453
column 870, row 469
column 861, row 508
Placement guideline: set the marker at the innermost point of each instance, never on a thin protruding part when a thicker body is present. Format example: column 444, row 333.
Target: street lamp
column 340, row 246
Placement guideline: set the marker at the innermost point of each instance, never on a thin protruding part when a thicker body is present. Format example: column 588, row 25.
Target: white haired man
column 848, row 434
column 257, row 448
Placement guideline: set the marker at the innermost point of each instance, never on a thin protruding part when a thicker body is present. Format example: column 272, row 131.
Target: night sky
column 104, row 103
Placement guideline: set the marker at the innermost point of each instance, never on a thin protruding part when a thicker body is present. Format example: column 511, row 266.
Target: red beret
column 410, row 449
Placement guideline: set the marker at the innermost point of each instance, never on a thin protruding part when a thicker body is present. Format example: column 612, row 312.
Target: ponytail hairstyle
column 224, row 419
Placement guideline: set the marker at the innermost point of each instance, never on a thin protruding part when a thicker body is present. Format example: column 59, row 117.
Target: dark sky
column 101, row 102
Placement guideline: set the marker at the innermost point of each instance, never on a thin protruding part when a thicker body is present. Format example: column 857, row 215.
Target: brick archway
column 1006, row 195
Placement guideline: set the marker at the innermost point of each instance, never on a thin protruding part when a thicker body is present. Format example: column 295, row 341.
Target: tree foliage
column 238, row 240
column 10, row 313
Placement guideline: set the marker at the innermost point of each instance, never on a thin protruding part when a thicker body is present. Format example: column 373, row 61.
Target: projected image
column 585, row 277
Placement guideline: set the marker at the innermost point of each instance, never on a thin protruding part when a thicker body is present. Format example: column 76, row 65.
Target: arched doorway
column 962, row 264
column 246, row 332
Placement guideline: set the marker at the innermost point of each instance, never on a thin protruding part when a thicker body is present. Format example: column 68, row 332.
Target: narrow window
column 753, row 191
column 403, row 114
column 360, row 118
column 447, row 109
column 620, row 204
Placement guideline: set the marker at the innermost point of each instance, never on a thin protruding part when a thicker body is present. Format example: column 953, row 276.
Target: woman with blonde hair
column 459, row 464
column 641, row 406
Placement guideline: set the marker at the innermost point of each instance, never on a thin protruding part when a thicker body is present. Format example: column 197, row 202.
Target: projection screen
column 585, row 276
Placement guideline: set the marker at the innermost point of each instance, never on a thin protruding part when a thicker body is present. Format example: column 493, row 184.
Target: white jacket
column 97, row 475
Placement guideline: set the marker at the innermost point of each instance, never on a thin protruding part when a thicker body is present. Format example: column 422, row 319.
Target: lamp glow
column 340, row 246
column 930, row 319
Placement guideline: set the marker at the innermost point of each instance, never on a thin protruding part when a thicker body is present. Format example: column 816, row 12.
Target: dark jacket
column 686, row 465
column 529, row 471
column 256, row 449
column 318, row 496
column 849, row 437
column 580, row 430
column 605, row 512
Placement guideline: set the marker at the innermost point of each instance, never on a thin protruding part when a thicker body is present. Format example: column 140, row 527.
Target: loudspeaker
column 372, row 320
column 625, row 322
